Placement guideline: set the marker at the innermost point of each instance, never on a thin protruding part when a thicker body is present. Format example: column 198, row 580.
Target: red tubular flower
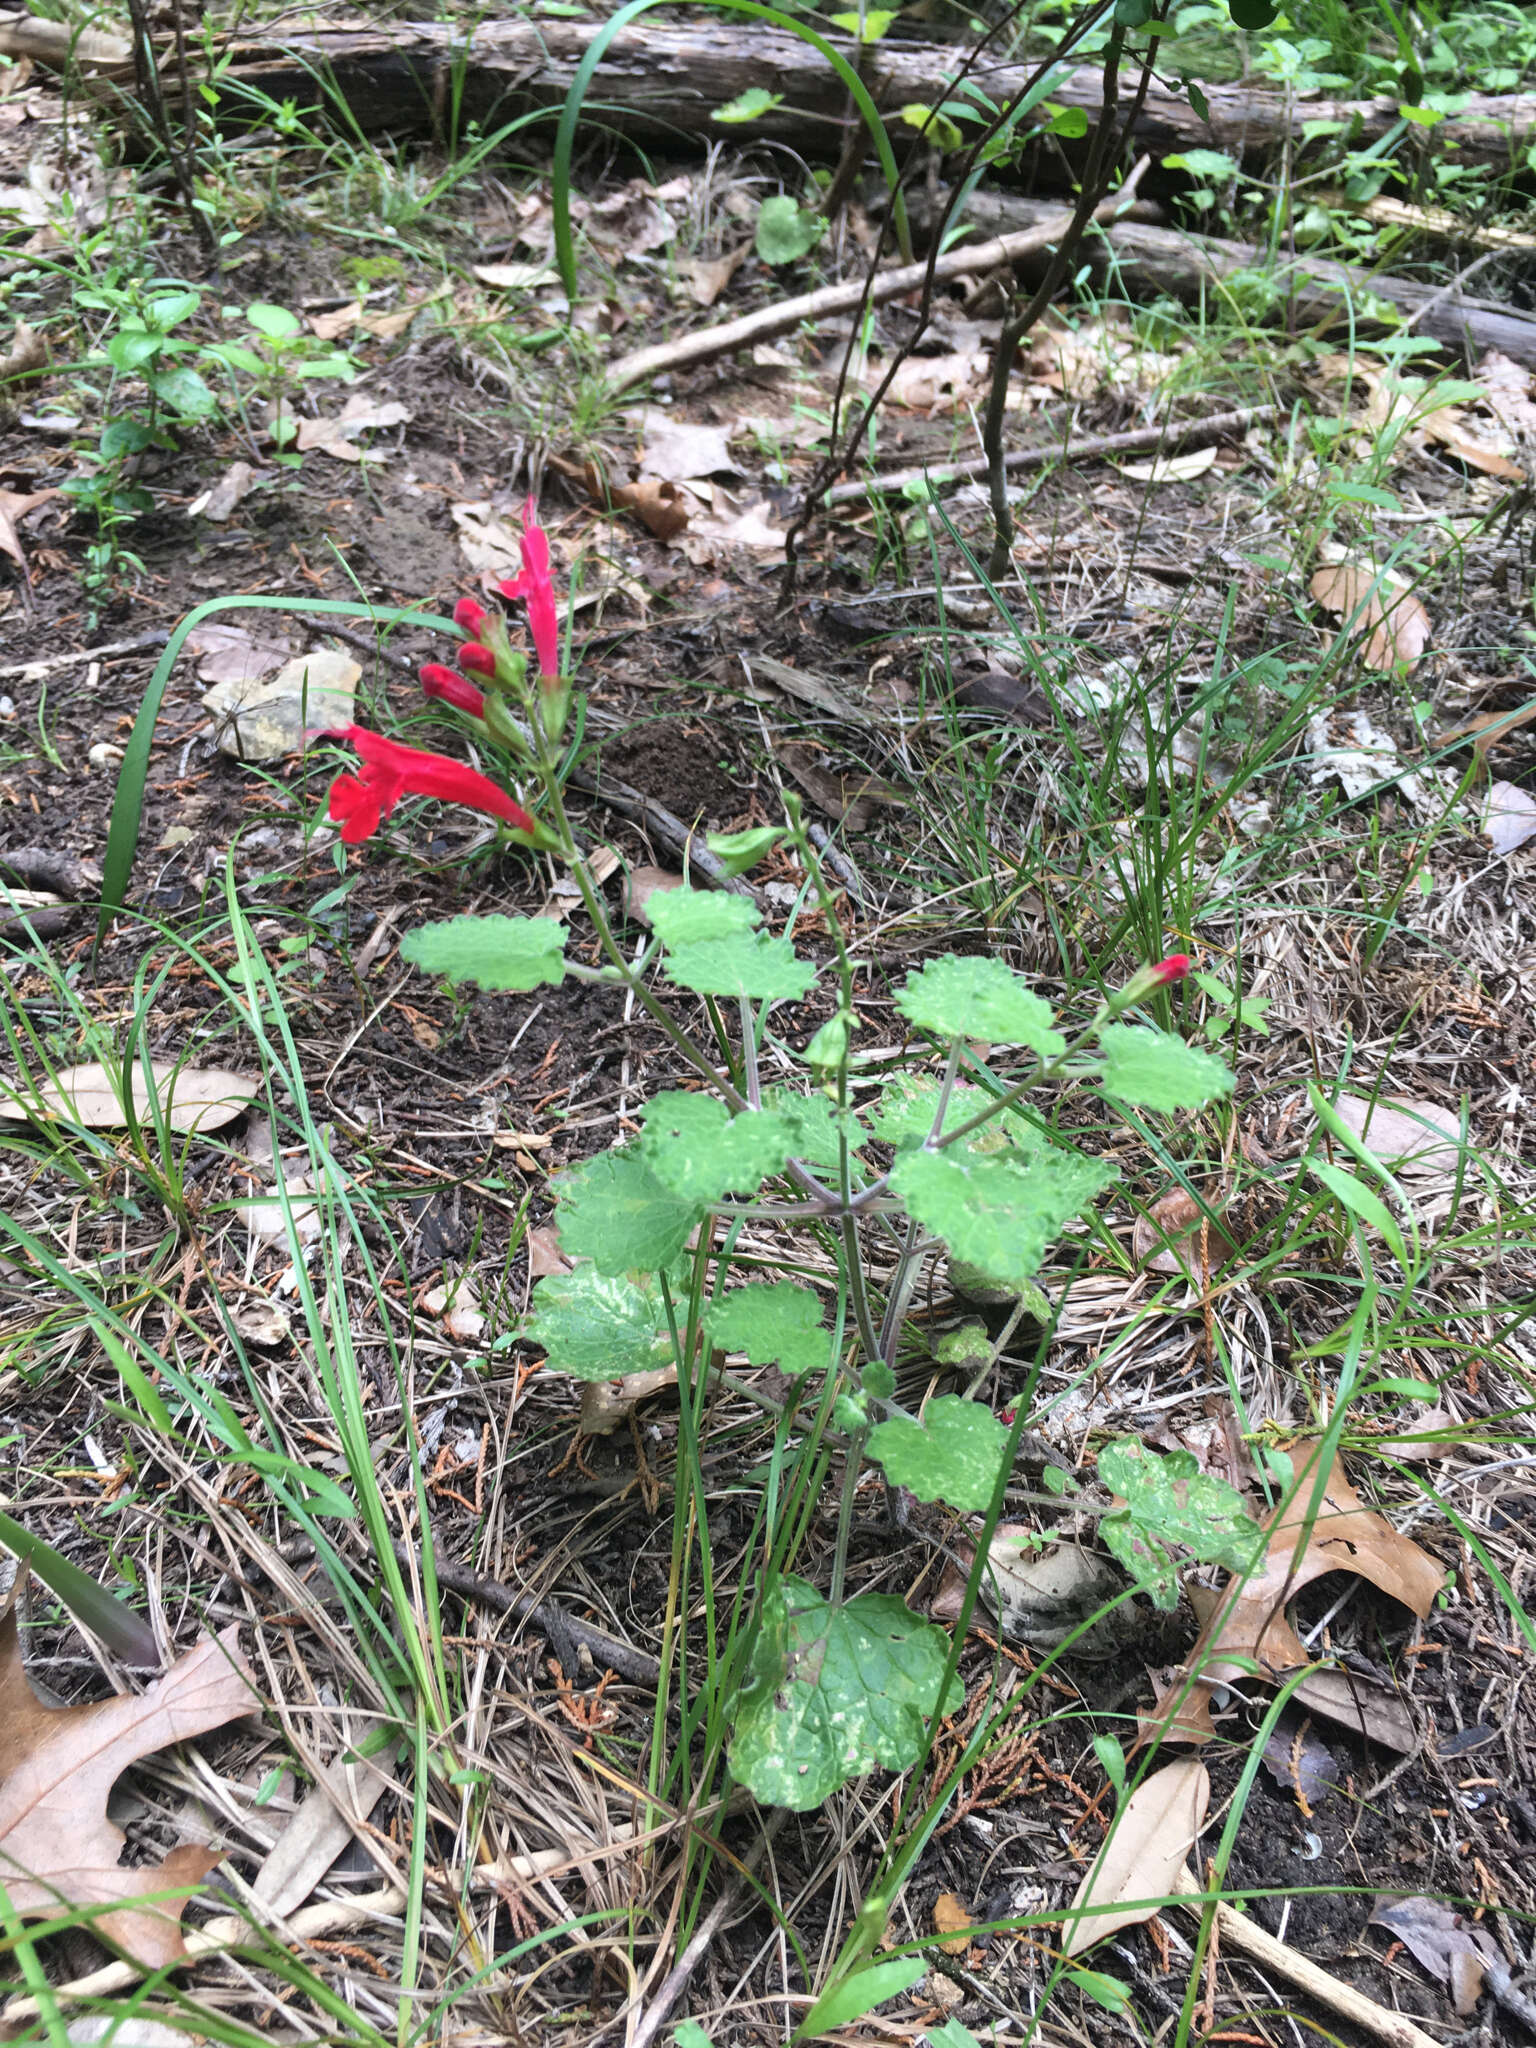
column 469, row 617
column 1174, row 968
column 477, row 659
column 359, row 803
column 450, row 688
column 537, row 591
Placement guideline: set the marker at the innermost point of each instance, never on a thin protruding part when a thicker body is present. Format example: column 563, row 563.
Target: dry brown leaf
column 927, row 382
column 1487, row 731
column 544, row 1253
column 851, row 799
column 360, row 415
column 1410, row 1137
column 1175, row 1237
column 1245, row 1623
column 1380, row 605
column 14, row 507
column 228, row 654
column 675, row 450
column 607, row 1403
column 332, row 326
column 641, row 884
column 731, row 523
column 487, row 543
column 1449, row 427
column 952, row 1920
column 220, row 499
column 26, row 356
column 1172, row 469
column 1507, row 388
column 1452, row 1949
column 515, row 277
column 1146, row 1849
column 57, row 1768
column 658, row 505
column 1510, row 819
column 707, row 277
column 192, row 1098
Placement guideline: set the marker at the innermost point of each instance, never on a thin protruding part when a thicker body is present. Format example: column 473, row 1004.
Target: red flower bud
column 477, row 659
column 450, row 688
column 469, row 617
column 1174, row 968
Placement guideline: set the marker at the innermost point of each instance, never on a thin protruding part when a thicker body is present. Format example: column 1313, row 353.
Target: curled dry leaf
column 1453, row 1950
column 218, row 502
column 1177, row 1236
column 1486, row 731
column 607, row 1403
column 952, row 1921
column 641, row 884
column 1507, row 393
column 1145, row 1851
column 190, row 1098
column 57, row 1768
column 1316, row 1530
column 1410, row 1137
column 228, row 654
column 360, row 415
column 1380, row 605
column 1510, row 820
column 674, row 450
column 14, row 507
column 707, row 277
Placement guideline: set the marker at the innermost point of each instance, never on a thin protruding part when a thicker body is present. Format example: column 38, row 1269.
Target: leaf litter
column 57, row 1769
column 1148, row 1842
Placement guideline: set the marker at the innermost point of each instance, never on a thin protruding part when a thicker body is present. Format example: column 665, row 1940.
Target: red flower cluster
column 537, row 591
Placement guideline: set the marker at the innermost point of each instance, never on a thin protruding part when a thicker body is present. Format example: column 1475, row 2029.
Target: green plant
column 280, row 355
column 944, row 1154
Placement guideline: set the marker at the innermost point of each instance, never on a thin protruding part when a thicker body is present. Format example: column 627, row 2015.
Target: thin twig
column 562, row 1627
column 656, row 2015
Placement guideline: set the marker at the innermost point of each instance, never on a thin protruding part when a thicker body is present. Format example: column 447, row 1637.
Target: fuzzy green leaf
column 978, row 997
column 785, row 231
column 699, row 1151
column 1157, row 1070
column 833, row 1692
column 777, row 1324
column 497, row 952
column 814, row 1124
column 750, row 105
column 598, row 1326
column 954, row 1455
column 615, row 1212
column 999, row 1213
column 1172, row 1506
column 684, row 917
column 747, row 964
column 908, row 1104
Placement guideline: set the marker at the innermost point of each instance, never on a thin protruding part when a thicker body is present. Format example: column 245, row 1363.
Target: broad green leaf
column 908, row 1103
column 935, row 127
column 1157, row 1070
column 874, row 25
column 275, row 322
column 749, row 964
column 497, row 952
column 750, row 105
column 1113, row 1993
column 1000, row 1214
column 1197, row 99
column 683, row 917
column 785, row 232
column 1172, row 1506
column 132, row 348
column 833, row 1692
column 1071, row 124
column 854, row 1996
column 1203, row 163
column 955, row 1454
column 599, row 1326
column 814, row 1124
column 952, row 2034
column 774, row 1324
column 169, row 309
column 615, row 1212
column 689, row 2034
column 828, row 1049
column 184, row 392
column 698, row 1150
column 978, row 997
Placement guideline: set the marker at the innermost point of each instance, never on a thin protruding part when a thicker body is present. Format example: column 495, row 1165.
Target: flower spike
column 360, row 803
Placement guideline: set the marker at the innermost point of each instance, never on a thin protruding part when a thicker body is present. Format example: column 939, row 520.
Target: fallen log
column 661, row 81
column 1309, row 290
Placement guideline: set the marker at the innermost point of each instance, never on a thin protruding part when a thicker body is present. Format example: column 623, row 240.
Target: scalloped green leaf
column 615, row 1212
column 955, row 1454
column 814, row 1124
column 516, row 953
column 777, row 1323
column 697, row 1149
column 599, row 1326
column 1156, row 1070
column 976, row 996
column 908, row 1102
column 1171, row 1506
column 685, row 917
column 749, row 964
column 832, row 1692
column 1002, row 1212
